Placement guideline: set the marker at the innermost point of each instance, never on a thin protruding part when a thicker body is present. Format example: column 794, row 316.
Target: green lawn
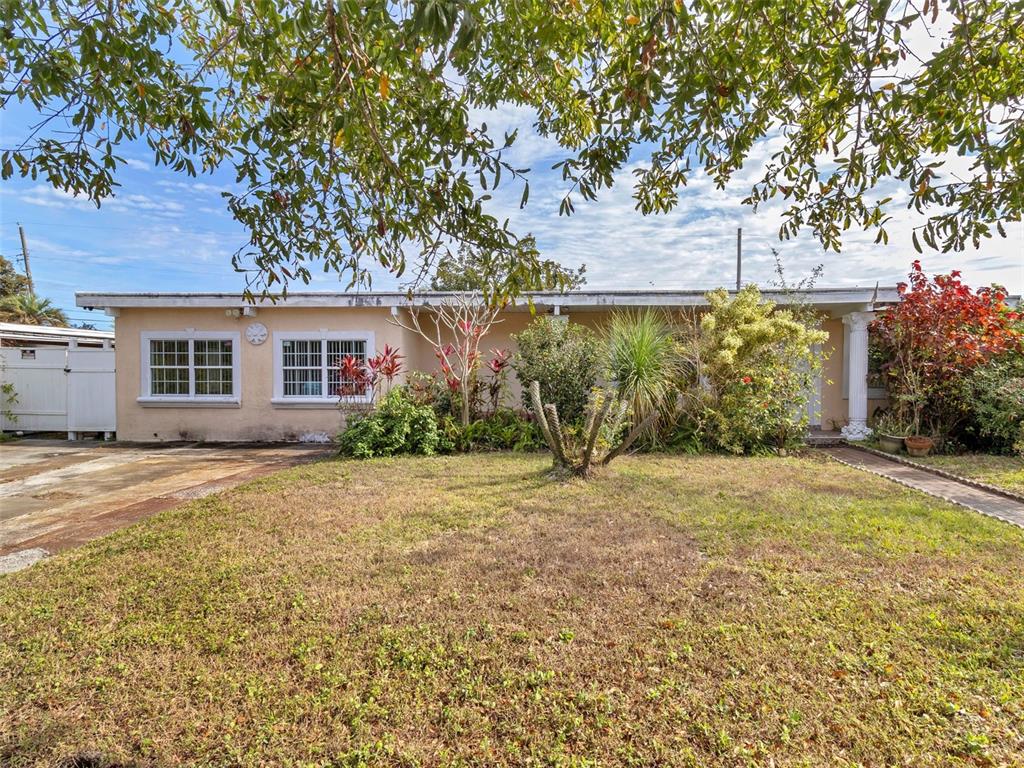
column 1002, row 471
column 465, row 611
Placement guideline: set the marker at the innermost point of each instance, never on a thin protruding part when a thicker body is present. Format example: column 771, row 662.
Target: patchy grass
column 1002, row 471
column 465, row 611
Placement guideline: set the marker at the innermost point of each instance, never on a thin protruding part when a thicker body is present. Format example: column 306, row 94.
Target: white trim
column 851, row 299
column 200, row 402
column 310, row 403
column 10, row 330
column 146, row 397
column 322, row 335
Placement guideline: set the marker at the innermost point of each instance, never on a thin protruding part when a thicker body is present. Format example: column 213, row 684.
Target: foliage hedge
column 996, row 394
column 397, row 425
column 566, row 358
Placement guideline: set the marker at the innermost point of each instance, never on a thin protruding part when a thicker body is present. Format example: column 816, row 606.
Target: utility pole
column 739, row 257
column 24, row 258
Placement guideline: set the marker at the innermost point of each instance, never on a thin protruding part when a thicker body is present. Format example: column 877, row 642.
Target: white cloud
column 694, row 246
column 193, row 186
column 530, row 148
column 48, row 197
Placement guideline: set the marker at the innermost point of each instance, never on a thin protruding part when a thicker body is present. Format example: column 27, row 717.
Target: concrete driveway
column 55, row 495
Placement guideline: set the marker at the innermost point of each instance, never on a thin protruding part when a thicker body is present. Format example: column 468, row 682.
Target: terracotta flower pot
column 918, row 445
column 890, row 443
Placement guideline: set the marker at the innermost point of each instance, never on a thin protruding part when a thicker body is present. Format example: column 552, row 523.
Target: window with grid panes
column 310, row 368
column 191, row 368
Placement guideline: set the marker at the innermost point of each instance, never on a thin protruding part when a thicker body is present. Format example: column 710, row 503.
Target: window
column 168, row 366
column 213, row 366
column 336, row 350
column 189, row 366
column 303, row 368
column 306, row 366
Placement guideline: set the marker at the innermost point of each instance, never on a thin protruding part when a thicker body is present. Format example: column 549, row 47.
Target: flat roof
column 52, row 332
column 581, row 300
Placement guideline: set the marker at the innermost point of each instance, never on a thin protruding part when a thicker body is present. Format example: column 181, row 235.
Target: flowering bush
column 748, row 368
column 933, row 339
column 499, row 429
column 455, row 329
column 359, row 379
column 498, row 365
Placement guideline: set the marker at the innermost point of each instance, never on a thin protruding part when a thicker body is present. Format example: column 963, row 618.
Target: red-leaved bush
column 359, row 379
column 939, row 332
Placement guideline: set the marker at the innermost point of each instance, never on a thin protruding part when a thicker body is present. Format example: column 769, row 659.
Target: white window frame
column 191, row 399
column 326, row 399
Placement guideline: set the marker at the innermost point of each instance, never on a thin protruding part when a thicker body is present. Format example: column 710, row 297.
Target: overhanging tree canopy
column 347, row 124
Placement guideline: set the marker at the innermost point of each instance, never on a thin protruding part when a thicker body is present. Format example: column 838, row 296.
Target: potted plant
column 918, row 445
column 891, row 432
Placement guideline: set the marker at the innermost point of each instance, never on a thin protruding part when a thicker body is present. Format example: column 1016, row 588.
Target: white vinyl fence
column 59, row 389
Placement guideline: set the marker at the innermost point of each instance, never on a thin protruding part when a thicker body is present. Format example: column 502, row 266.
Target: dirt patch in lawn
column 605, row 569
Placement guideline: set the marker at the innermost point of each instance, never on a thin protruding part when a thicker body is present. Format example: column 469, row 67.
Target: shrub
column 503, row 430
column 398, row 425
column 931, row 341
column 565, row 357
column 434, row 391
column 748, row 367
column 996, row 394
column 644, row 364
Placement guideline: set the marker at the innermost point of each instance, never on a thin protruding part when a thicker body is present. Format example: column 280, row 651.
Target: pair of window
column 205, row 367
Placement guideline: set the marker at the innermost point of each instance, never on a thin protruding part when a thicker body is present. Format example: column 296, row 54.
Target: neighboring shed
column 19, row 335
column 57, row 380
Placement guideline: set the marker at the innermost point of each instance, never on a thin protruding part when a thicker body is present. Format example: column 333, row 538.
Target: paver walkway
column 973, row 498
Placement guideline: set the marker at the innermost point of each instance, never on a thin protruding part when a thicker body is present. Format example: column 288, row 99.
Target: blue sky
column 168, row 232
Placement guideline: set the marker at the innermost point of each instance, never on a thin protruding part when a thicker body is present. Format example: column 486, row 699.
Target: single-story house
column 211, row 366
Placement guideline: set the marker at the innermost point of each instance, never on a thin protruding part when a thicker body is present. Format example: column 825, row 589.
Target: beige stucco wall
column 257, row 418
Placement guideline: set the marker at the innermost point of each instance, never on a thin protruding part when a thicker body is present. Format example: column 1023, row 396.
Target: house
column 210, row 366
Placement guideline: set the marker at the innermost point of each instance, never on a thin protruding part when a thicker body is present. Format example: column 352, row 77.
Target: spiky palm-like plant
column 29, row 309
column 644, row 362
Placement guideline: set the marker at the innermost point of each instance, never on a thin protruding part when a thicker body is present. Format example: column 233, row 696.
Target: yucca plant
column 581, row 453
column 644, row 362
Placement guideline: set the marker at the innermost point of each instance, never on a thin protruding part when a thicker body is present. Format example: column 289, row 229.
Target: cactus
column 580, row 456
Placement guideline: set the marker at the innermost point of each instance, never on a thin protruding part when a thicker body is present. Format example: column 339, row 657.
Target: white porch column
column 857, row 373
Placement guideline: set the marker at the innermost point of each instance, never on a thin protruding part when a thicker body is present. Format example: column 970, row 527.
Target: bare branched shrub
column 454, row 329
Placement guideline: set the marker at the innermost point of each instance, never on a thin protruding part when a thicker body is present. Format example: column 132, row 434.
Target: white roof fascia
column 581, row 300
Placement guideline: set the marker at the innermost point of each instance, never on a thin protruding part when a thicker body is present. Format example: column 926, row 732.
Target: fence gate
column 59, row 389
